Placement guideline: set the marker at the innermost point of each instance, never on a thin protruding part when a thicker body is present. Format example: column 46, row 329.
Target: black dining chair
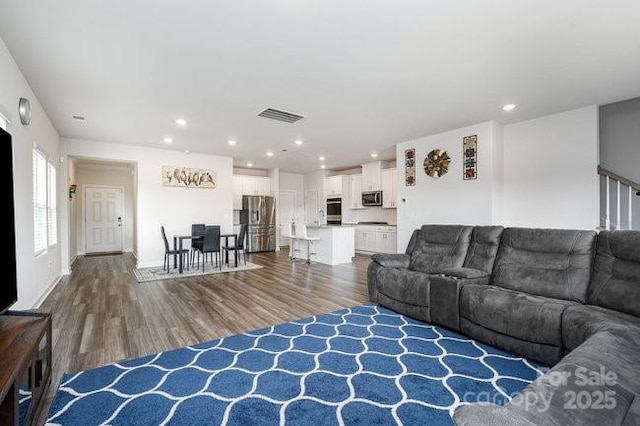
column 197, row 229
column 168, row 252
column 210, row 245
column 239, row 244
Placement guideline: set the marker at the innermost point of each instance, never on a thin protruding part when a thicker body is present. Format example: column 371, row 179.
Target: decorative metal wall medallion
column 436, row 163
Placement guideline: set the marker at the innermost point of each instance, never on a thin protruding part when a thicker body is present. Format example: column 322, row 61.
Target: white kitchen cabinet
column 333, row 186
column 249, row 185
column 355, row 194
column 262, row 185
column 256, row 185
column 386, row 240
column 237, row 192
column 376, row 239
column 389, row 188
column 371, row 176
column 366, row 239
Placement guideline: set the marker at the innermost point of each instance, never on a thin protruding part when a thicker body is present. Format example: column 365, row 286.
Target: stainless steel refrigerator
column 259, row 214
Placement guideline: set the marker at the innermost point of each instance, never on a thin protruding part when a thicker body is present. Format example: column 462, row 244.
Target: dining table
column 178, row 243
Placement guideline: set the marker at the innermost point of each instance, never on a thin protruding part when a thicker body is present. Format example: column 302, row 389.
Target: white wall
column 550, row 177
column 175, row 208
column 91, row 174
column 35, row 275
column 449, row 199
column 620, row 138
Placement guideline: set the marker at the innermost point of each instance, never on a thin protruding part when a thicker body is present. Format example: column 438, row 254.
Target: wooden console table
column 25, row 365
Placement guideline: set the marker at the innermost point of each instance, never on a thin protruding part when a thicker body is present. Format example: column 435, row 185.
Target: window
column 45, row 233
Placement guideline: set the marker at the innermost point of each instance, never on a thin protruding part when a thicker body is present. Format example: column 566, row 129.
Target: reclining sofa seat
column 538, row 274
column 603, row 337
column 402, row 281
column 613, row 295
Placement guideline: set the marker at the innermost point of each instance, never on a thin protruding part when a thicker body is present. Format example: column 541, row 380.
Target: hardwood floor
column 101, row 314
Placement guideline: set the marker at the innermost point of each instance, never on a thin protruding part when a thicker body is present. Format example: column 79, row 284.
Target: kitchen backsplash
column 368, row 214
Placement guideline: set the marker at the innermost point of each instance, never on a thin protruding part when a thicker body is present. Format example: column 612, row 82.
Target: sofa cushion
column 483, row 248
column 438, row 247
column 616, row 274
column 580, row 322
column 523, row 316
column 546, row 262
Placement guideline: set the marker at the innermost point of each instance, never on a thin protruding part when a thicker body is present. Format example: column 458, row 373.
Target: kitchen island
column 336, row 244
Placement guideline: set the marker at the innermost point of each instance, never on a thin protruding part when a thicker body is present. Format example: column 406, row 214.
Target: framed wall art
column 187, row 177
column 470, row 156
column 410, row 167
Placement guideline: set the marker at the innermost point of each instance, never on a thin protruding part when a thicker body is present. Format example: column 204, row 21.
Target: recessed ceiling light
column 187, row 151
column 269, row 153
column 249, row 164
column 321, row 158
column 322, row 166
column 181, row 122
column 298, row 142
column 509, row 107
column 231, row 142
column 167, row 140
column 374, row 154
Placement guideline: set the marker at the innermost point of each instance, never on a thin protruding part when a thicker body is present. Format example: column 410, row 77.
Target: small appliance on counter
column 372, row 198
column 334, row 211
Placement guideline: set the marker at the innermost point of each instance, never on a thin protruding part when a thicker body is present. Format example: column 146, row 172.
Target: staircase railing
column 619, row 201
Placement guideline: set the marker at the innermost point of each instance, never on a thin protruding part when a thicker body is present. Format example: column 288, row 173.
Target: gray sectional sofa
column 567, row 298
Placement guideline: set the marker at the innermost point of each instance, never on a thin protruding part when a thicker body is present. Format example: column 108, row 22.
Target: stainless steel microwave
column 372, row 198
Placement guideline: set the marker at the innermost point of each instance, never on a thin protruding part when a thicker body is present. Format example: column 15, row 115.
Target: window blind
column 52, row 222
column 39, row 202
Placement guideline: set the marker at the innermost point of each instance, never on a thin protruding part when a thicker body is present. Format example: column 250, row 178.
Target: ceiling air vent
column 276, row 114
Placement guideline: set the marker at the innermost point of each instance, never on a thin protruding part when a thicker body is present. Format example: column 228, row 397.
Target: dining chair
column 239, row 244
column 210, row 245
column 197, row 229
column 168, row 252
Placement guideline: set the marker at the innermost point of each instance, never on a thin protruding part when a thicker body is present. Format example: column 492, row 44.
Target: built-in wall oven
column 334, row 211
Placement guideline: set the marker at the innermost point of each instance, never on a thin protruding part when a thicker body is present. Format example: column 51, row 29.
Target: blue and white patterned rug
column 364, row 365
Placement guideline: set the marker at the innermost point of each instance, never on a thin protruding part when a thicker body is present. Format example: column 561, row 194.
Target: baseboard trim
column 46, row 293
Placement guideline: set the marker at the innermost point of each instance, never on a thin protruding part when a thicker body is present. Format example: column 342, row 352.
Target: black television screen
column 9, row 286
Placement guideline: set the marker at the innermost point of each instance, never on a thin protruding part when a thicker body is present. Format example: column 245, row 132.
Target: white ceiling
column 367, row 74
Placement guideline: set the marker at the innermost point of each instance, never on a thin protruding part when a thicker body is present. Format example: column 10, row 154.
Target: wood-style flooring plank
column 101, row 314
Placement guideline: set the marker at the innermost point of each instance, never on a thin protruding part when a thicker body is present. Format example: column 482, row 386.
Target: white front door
column 311, row 207
column 287, row 212
column 103, row 219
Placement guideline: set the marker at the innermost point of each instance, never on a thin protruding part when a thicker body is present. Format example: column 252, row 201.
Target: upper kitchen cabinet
column 355, row 194
column 249, row 185
column 256, row 185
column 333, row 186
column 372, row 176
column 389, row 189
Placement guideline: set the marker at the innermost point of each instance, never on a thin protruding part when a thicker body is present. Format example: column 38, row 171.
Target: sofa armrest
column 392, row 260
column 487, row 414
column 444, row 294
column 465, row 273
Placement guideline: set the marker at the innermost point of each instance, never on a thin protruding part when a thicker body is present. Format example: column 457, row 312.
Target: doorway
column 287, row 216
column 103, row 218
